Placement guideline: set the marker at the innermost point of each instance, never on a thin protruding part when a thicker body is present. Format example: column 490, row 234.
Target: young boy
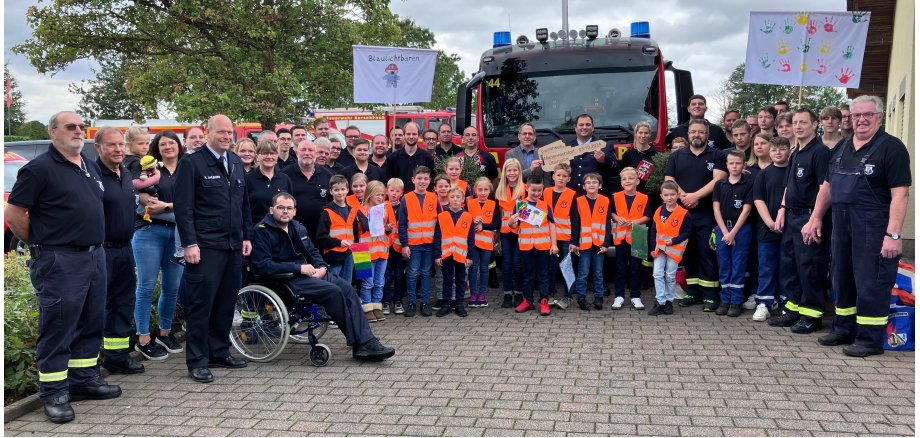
column 418, row 213
column 335, row 232
column 560, row 199
column 453, row 238
column 731, row 205
column 629, row 207
column 395, row 277
column 590, row 239
column 537, row 243
column 768, row 196
column 441, row 188
column 670, row 230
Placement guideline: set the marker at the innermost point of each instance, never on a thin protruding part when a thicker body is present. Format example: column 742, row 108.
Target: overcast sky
column 707, row 37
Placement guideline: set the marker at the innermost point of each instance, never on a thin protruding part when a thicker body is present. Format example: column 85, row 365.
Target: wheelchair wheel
column 320, row 355
column 260, row 328
column 299, row 334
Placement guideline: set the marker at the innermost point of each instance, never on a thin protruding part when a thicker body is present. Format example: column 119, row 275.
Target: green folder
column 639, row 235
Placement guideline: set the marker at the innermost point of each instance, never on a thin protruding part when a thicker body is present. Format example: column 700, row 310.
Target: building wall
column 900, row 105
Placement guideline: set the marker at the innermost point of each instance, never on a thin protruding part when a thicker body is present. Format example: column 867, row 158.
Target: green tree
column 33, row 130
column 256, row 61
column 749, row 98
column 106, row 97
column 13, row 115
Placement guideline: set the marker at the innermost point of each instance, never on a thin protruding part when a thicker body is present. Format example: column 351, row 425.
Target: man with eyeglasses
column 56, row 206
column 868, row 185
column 526, row 154
column 347, row 157
column 805, row 264
column 846, row 125
column 285, row 142
column 445, row 142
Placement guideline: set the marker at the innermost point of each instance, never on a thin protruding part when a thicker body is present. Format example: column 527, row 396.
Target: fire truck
column 618, row 80
column 382, row 120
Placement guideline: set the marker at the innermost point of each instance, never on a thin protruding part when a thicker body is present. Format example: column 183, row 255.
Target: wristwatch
column 894, row 236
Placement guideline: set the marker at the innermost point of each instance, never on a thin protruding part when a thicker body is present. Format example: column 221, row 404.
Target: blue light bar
column 640, row 29
column 501, row 39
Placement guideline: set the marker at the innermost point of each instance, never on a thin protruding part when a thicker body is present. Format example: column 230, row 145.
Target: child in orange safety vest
column 486, row 221
column 454, row 235
column 537, row 242
column 629, row 207
column 335, row 231
column 358, row 188
column 561, row 201
column 441, row 185
column 670, row 230
column 590, row 239
column 379, row 248
column 510, row 189
column 395, row 285
column 418, row 216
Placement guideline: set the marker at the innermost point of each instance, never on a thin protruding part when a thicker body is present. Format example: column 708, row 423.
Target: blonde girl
column 358, row 190
column 379, row 248
column 486, row 221
column 510, row 190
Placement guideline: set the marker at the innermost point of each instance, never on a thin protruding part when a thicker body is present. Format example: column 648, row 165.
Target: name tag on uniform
column 212, row 177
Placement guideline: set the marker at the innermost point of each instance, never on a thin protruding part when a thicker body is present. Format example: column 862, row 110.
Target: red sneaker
column 524, row 306
column 544, row 306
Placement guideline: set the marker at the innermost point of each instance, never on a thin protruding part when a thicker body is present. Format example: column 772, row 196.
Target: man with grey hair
column 867, row 185
column 311, row 185
column 267, row 135
column 323, row 151
column 56, row 206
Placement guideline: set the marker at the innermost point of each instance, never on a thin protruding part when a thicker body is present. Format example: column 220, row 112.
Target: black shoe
column 226, row 362
column 493, row 280
column 598, row 303
column 669, row 308
column 152, row 351
column 688, row 301
column 516, row 301
column 709, row 306
column 201, row 375
column 834, row 339
column 169, row 343
column 129, row 366
column 657, row 309
column 806, row 325
column 58, row 409
column 583, row 303
column 98, row 389
column 178, row 260
column 606, row 292
column 424, row 310
column 734, row 310
column 460, row 310
column 373, row 351
column 856, row 350
column 506, row 302
column 443, row 311
column 437, row 305
column 410, row 310
column 721, row 310
column 787, row 319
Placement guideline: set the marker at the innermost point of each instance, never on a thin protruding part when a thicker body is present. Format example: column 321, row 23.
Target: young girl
column 396, row 266
column 442, row 185
column 441, row 188
column 670, row 229
column 137, row 145
column 486, row 220
column 509, row 191
column 246, row 149
column 453, row 168
column 760, row 160
column 358, row 188
column 372, row 288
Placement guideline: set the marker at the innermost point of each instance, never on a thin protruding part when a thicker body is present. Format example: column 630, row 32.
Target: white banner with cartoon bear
column 806, row 48
column 393, row 75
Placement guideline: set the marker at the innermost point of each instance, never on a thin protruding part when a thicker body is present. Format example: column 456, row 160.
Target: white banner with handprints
column 393, row 75
column 806, row 48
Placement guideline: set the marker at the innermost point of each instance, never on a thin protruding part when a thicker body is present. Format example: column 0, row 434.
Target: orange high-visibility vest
column 454, row 236
column 670, row 229
column 352, row 201
column 342, row 229
column 394, row 236
column 634, row 213
column 485, row 239
column 562, row 212
column 530, row 237
column 463, row 185
column 421, row 218
column 593, row 223
column 507, row 210
column 379, row 246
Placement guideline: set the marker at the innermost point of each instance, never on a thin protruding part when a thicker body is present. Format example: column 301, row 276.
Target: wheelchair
column 268, row 314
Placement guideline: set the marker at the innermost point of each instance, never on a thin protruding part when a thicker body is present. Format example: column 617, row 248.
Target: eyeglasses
column 74, row 126
column 529, row 134
column 857, row 116
column 283, row 208
column 352, row 136
column 430, row 139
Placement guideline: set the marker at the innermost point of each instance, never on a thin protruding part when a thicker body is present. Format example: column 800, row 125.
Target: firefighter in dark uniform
column 62, row 193
column 805, row 265
column 603, row 162
column 867, row 185
column 696, row 170
column 212, row 213
column 119, row 202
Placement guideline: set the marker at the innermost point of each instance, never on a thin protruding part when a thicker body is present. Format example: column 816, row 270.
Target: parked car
column 30, row 149
column 12, row 162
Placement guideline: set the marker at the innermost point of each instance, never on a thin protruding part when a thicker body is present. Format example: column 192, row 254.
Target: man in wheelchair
column 281, row 245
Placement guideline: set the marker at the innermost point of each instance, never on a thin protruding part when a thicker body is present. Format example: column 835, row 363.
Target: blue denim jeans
column 733, row 264
column 555, row 273
column 593, row 261
column 664, row 271
column 512, row 277
column 153, row 247
column 767, row 273
column 420, row 261
column 372, row 288
column 346, row 270
column 479, row 272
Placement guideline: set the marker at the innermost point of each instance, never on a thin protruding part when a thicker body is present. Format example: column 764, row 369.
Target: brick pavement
column 496, row 373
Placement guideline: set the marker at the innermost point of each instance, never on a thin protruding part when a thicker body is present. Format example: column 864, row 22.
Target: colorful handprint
column 825, row 47
column 803, row 67
column 860, row 16
column 802, row 19
column 788, row 27
column 765, row 62
column 806, row 45
column 848, row 53
column 784, row 66
column 829, row 23
column 767, row 27
column 782, row 49
column 812, row 27
column 844, row 76
column 822, row 67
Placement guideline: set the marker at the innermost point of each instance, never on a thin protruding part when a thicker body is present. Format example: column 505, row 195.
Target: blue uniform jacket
column 275, row 251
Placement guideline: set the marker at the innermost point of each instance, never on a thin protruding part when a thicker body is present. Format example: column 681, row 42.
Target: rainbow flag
column 362, row 256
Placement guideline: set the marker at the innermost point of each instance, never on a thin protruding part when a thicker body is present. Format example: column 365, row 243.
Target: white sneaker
column 637, row 303
column 750, row 304
column 762, row 313
column 617, row 303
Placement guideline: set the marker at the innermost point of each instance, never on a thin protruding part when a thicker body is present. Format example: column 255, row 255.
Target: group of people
column 760, row 212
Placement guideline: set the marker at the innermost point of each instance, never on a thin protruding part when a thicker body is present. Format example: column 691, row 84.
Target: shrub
column 20, row 324
column 653, row 184
column 9, row 138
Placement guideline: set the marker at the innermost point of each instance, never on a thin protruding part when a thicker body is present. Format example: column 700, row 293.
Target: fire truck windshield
column 617, row 99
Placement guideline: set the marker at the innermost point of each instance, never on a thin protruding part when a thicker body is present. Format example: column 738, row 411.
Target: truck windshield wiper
column 551, row 131
column 614, row 128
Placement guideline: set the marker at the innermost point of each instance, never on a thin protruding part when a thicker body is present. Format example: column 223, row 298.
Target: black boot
column 58, row 409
